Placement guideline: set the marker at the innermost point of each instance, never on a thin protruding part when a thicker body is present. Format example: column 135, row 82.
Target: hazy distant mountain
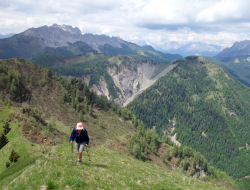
column 6, row 35
column 172, row 56
column 170, row 46
column 66, row 40
column 238, row 49
column 195, row 48
column 147, row 43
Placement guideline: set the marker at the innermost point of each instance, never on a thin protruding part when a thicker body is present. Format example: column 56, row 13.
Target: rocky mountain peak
column 68, row 28
column 237, row 49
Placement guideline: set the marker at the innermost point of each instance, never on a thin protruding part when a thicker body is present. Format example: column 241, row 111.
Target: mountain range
column 66, row 40
column 194, row 48
column 183, row 114
column 238, row 49
column 6, row 35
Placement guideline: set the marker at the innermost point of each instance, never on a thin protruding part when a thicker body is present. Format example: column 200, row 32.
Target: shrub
column 52, row 124
column 136, row 150
column 75, row 183
column 90, row 109
column 6, row 128
column 3, row 141
column 168, row 157
column 175, row 151
column 7, row 164
column 27, row 78
column 185, row 165
column 81, row 116
column 32, row 82
column 2, row 96
column 167, row 140
column 42, row 82
column 13, row 156
column 37, row 113
column 178, row 161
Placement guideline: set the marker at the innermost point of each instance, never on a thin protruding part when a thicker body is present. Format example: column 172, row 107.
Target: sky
column 219, row 22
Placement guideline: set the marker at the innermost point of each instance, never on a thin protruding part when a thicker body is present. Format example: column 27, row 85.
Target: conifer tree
column 3, row 140
column 90, row 109
column 6, row 128
column 13, row 156
column 1, row 96
column 7, row 164
column 80, row 116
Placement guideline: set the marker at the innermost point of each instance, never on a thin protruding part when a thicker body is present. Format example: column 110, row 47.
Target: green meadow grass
column 107, row 170
column 50, row 167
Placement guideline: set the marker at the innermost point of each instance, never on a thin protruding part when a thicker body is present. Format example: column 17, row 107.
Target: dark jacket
column 79, row 138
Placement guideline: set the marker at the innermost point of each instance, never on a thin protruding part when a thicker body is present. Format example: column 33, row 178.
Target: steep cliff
column 120, row 78
column 132, row 83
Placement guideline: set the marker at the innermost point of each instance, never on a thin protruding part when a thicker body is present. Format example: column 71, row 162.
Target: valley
column 120, row 77
column 181, row 122
column 41, row 121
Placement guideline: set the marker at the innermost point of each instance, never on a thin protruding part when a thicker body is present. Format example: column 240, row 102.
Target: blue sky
column 220, row 22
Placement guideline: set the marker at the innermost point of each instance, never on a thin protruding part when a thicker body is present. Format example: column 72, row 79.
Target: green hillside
column 207, row 109
column 41, row 109
column 93, row 65
column 239, row 67
column 171, row 56
column 108, row 169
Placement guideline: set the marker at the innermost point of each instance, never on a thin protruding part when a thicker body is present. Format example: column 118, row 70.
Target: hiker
column 80, row 136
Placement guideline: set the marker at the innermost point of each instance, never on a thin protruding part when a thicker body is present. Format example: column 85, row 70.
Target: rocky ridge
column 238, row 49
column 129, row 82
column 63, row 35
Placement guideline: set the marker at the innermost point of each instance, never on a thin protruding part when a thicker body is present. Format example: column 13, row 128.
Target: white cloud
column 220, row 22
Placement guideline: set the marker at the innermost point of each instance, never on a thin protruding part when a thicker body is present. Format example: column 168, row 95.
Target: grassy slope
column 45, row 164
column 108, row 169
column 203, row 98
column 50, row 104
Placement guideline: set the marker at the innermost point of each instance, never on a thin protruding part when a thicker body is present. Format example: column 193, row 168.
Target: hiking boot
column 79, row 162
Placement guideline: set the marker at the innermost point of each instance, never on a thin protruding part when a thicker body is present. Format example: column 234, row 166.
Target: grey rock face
column 132, row 83
column 127, row 80
column 238, row 49
column 100, row 40
column 55, row 35
column 62, row 35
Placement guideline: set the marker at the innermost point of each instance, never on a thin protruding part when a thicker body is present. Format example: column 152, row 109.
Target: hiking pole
column 72, row 152
column 88, row 153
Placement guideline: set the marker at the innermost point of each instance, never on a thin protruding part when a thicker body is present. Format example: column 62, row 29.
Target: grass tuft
column 50, row 185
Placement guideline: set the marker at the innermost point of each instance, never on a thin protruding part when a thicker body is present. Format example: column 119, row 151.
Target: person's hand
column 71, row 142
column 86, row 145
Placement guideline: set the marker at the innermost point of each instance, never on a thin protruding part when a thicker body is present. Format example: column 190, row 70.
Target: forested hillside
column 118, row 77
column 239, row 67
column 210, row 110
column 37, row 113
